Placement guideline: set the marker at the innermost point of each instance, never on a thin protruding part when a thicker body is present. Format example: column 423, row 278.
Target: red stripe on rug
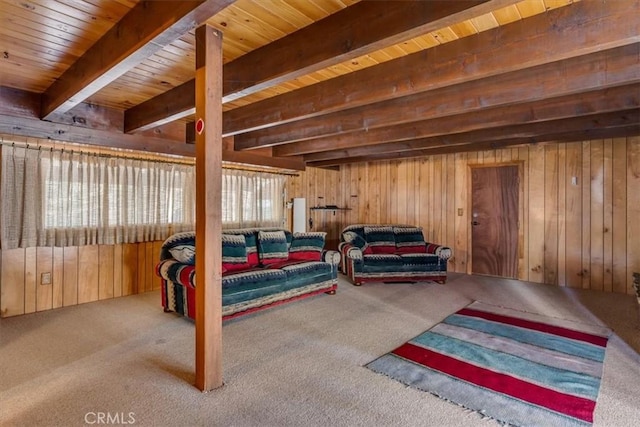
column 537, row 326
column 567, row 404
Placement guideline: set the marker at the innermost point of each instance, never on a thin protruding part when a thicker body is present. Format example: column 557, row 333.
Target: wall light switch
column 574, row 180
column 460, row 211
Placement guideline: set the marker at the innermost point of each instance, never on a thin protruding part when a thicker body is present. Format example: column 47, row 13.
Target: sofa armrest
column 352, row 252
column 443, row 252
column 332, row 257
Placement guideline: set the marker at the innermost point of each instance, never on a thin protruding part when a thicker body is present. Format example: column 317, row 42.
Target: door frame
column 521, row 208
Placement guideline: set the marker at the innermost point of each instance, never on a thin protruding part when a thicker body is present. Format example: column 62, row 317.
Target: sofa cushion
column 307, row 246
column 358, row 241
column 182, row 247
column 234, row 252
column 382, row 263
column 272, row 247
column 249, row 284
column 186, row 254
column 307, row 273
column 381, row 239
column 409, row 240
column 251, row 241
column 420, row 262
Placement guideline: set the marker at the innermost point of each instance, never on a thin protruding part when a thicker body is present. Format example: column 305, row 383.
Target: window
column 66, row 198
column 252, row 199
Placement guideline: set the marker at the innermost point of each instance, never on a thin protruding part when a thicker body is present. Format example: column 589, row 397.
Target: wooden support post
column 208, row 213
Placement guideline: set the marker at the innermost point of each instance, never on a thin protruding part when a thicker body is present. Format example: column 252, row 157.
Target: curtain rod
column 96, row 152
column 158, row 158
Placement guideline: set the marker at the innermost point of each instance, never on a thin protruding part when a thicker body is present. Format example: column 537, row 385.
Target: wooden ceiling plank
column 507, row 15
column 359, row 143
column 45, row 25
column 33, row 38
column 615, row 67
column 352, row 32
column 58, row 15
column 35, row 35
column 157, row 24
column 106, row 11
column 41, row 52
column 531, row 7
column 556, row 35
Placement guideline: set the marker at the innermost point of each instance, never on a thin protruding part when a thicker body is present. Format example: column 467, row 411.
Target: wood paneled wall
column 579, row 206
column 579, row 222
column 78, row 275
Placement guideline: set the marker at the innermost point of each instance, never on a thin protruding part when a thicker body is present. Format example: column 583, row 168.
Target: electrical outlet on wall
column 45, row 278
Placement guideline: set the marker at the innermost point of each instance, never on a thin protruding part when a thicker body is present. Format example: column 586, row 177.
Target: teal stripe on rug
column 573, row 383
column 541, row 339
column 526, row 351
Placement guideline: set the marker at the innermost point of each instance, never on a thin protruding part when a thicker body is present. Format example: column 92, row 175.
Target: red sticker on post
column 199, row 126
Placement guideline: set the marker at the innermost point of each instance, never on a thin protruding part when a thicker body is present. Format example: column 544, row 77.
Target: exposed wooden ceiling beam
column 559, row 136
column 354, row 31
column 615, row 67
column 565, row 126
column 291, row 163
column 405, row 137
column 24, row 126
column 541, row 39
column 36, row 128
column 19, row 103
column 147, row 28
column 174, row 104
column 100, row 126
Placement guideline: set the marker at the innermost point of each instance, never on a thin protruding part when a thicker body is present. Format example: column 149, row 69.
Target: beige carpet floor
column 300, row 364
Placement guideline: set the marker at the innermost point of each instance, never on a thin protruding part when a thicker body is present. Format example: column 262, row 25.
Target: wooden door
column 494, row 221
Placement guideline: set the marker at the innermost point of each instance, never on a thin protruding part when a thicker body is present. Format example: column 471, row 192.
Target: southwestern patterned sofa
column 260, row 268
column 391, row 253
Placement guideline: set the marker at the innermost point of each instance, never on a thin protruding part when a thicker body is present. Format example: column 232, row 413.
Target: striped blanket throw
column 516, row 367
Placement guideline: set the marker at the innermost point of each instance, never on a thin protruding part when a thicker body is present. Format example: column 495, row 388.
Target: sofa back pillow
column 307, row 246
column 251, row 241
column 234, row 252
column 409, row 240
column 381, row 239
column 358, row 241
column 182, row 247
column 272, row 247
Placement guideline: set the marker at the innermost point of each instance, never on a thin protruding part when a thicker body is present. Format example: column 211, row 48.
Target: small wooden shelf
column 329, row 208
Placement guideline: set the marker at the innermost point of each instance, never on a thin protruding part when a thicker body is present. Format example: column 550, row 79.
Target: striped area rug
column 516, row 367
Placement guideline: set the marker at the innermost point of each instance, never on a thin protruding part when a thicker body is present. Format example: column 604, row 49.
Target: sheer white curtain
column 252, row 199
column 66, row 198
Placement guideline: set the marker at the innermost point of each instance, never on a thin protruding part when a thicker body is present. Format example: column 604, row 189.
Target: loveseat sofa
column 260, row 268
column 391, row 253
